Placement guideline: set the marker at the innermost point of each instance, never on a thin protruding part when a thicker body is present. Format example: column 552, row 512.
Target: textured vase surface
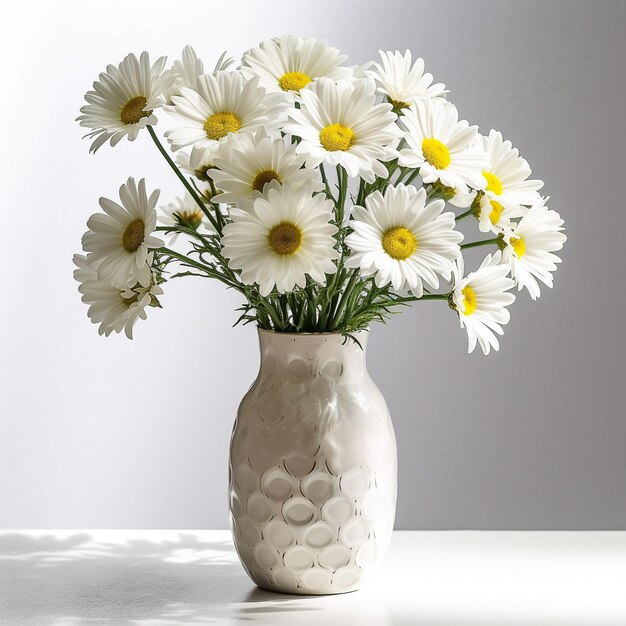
column 313, row 467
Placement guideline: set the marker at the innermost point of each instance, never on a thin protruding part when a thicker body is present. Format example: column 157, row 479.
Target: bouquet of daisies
column 328, row 196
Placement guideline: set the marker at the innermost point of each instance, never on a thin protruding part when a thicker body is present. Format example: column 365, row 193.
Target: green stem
column 326, row 185
column 433, row 296
column 183, row 180
column 361, row 195
column 342, row 179
column 464, row 215
column 347, row 292
column 227, row 278
column 335, row 295
column 402, row 173
column 392, row 168
column 209, row 246
column 185, row 259
column 275, row 314
column 412, row 177
column 475, row 244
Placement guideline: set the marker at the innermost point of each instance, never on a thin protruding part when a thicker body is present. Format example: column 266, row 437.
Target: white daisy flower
column 341, row 124
column 197, row 162
column 120, row 239
column 506, row 173
column 462, row 197
column 495, row 217
column 402, row 240
column 185, row 212
column 481, row 299
column 223, row 63
column 441, row 146
column 113, row 308
column 289, row 64
column 224, row 104
column 248, row 165
column 361, row 72
column 189, row 68
column 530, row 248
column 124, row 98
column 404, row 82
column 285, row 237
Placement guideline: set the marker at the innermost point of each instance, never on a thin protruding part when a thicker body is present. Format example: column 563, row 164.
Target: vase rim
column 320, row 334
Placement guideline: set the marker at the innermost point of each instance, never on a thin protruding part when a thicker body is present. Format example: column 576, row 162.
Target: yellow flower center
column 189, row 218
column 469, row 296
column 285, row 238
column 293, row 81
column 133, row 235
column 399, row 243
column 133, row 110
column 519, row 246
column 219, row 125
column 264, row 177
column 336, row 137
column 496, row 212
column 493, row 183
column 436, row 153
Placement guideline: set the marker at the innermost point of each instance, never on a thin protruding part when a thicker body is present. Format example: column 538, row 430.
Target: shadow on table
column 79, row 580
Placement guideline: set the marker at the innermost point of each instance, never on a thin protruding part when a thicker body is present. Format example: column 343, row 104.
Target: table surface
column 428, row 578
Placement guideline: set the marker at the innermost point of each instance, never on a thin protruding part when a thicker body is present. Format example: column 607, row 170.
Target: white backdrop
column 99, row 432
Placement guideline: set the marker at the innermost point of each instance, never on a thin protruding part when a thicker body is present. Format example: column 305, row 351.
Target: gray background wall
column 111, row 433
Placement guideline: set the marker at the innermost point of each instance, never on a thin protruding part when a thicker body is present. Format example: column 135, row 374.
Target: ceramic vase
column 313, row 467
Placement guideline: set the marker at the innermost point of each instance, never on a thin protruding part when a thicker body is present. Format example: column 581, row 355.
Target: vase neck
column 310, row 354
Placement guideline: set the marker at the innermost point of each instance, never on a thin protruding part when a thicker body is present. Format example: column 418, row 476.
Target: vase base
column 299, row 591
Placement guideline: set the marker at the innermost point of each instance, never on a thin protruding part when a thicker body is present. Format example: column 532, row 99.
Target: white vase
column 313, row 468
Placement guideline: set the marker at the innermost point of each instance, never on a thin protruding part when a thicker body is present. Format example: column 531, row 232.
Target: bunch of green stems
column 347, row 303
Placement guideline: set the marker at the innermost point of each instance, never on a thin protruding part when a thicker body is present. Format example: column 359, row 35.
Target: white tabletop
column 428, row 578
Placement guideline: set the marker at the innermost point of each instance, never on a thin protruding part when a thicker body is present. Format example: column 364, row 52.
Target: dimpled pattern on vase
column 312, row 467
